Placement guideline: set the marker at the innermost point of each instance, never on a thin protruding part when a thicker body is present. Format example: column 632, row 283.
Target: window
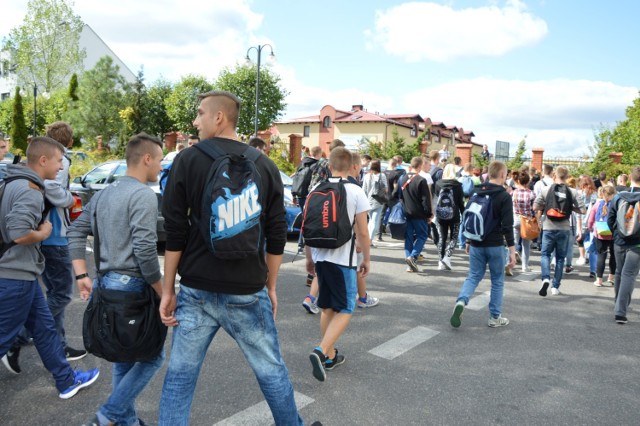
column 4, row 96
column 100, row 174
column 414, row 131
column 306, row 131
column 326, row 122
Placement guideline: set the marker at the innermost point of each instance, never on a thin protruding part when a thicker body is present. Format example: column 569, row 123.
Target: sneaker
column 446, row 261
column 611, row 281
column 592, row 274
column 598, row 283
column 456, row 317
column 74, row 354
column 621, row 319
column 568, row 269
column 518, row 258
column 408, row 270
column 10, row 360
column 420, row 258
column 545, row 286
column 318, row 359
column 581, row 261
column 441, row 266
column 412, row 263
column 337, row 360
column 367, row 301
column 555, row 291
column 309, row 304
column 93, row 422
column 82, row 380
column 498, row 322
column 508, row 272
column 380, row 238
column 526, row 269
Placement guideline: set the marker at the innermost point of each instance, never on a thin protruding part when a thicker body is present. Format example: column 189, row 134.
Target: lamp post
column 258, row 50
column 35, row 108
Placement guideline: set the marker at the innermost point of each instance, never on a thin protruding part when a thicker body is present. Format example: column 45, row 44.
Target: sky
column 548, row 70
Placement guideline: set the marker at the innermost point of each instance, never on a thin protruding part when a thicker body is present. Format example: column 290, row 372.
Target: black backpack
column 326, row 222
column 232, row 201
column 446, row 205
column 558, row 202
column 302, row 180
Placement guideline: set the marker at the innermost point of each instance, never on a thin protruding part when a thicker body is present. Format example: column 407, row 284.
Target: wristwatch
column 81, row 276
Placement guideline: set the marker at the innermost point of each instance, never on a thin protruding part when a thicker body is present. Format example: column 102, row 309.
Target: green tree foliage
column 158, row 121
column 182, row 103
column 390, row 148
column 136, row 99
column 101, row 95
column 517, row 160
column 6, row 115
column 479, row 160
column 45, row 48
column 73, row 88
column 241, row 81
column 18, row 132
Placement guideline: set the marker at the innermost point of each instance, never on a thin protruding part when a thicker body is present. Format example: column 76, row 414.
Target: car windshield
column 286, row 180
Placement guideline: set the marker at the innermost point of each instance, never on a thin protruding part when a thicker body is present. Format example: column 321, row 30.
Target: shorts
column 337, row 287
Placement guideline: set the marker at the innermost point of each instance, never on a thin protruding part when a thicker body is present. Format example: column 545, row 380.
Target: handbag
column 379, row 194
column 121, row 326
column 529, row 227
column 397, row 222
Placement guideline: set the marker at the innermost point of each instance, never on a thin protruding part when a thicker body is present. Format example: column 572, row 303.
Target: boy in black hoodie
column 416, row 199
column 491, row 250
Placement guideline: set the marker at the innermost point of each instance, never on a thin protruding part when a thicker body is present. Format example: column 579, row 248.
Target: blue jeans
column 479, row 258
column 415, row 237
column 590, row 250
column 374, row 222
column 58, row 278
column 248, row 319
column 554, row 240
column 462, row 240
column 128, row 379
column 22, row 304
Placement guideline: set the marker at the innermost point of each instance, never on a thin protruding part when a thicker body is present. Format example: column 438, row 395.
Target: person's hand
column 579, row 236
column 364, row 269
column 311, row 267
column 168, row 309
column 45, row 229
column 85, row 285
column 466, row 248
column 512, row 259
column 274, row 302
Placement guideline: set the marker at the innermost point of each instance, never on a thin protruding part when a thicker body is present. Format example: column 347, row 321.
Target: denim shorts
column 338, row 287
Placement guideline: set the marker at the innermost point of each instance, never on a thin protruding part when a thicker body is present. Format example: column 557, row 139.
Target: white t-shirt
column 427, row 176
column 537, row 188
column 357, row 202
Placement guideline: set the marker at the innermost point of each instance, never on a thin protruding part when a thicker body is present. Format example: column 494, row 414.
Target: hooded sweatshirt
column 20, row 213
column 633, row 197
column 503, row 210
column 58, row 195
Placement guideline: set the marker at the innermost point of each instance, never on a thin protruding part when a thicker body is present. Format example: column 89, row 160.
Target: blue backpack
column 478, row 219
column 601, row 226
column 164, row 176
column 231, row 212
column 467, row 186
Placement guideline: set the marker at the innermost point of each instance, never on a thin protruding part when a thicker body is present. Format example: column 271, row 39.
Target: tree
column 45, row 48
column 73, row 87
column 158, row 121
column 19, row 132
column 182, row 104
column 135, row 113
column 241, row 81
column 101, row 97
column 517, row 160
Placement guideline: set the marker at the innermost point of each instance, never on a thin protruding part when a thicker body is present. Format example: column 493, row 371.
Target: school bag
column 558, row 203
column 478, row 219
column 301, row 180
column 164, row 176
column 467, row 186
column 320, row 172
column 231, row 210
column 445, row 206
column 326, row 222
column 379, row 193
column 628, row 219
column 600, row 225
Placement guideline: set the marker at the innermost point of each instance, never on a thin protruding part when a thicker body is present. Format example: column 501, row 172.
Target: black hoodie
column 416, row 197
column 633, row 196
column 503, row 210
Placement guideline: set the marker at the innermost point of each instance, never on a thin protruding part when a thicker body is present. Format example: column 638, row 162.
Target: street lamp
column 272, row 57
column 35, row 108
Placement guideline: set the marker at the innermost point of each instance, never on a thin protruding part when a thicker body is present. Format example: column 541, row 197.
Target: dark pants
column 602, row 246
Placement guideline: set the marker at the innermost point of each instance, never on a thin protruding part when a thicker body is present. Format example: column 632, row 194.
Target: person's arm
column 612, row 217
column 143, row 216
column 35, row 235
column 362, row 235
column 57, row 194
column 168, row 301
column 592, row 216
column 77, row 234
column 273, row 266
column 578, row 202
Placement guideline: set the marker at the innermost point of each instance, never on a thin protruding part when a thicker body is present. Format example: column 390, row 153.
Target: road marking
column 403, row 343
column 260, row 414
column 479, row 302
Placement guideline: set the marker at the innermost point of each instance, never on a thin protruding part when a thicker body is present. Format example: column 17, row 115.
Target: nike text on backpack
column 478, row 219
column 326, row 222
column 231, row 211
column 467, row 186
column 558, row 203
column 628, row 219
column 302, row 180
column 445, row 206
column 601, row 226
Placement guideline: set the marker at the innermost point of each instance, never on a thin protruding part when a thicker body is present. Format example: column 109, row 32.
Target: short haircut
column 42, row 146
column 547, row 169
column 375, row 166
column 416, row 163
column 335, row 144
column 623, row 179
column 138, row 146
column 434, row 155
column 468, row 168
column 226, row 102
column 393, row 162
column 449, row 172
column 355, row 158
column 602, row 176
column 61, row 132
column 366, row 157
column 315, row 151
column 457, row 161
column 398, row 158
column 257, row 143
column 635, row 175
column 194, row 137
column 340, row 159
column 562, row 173
column 495, row 168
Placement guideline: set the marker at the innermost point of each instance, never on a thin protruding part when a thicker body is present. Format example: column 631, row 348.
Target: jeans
column 374, row 221
column 554, row 240
column 22, row 304
column 628, row 264
column 570, row 242
column 589, row 243
column 128, row 378
column 58, row 278
column 479, row 258
column 415, row 237
column 525, row 254
column 248, row 319
column 462, row 240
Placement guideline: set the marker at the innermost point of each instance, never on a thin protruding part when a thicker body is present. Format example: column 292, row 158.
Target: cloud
column 419, row 31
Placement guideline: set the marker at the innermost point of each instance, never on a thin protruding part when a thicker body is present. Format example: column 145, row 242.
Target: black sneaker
column 74, row 354
column 568, row 269
column 10, row 360
column 621, row 319
column 592, row 274
column 318, row 359
column 337, row 360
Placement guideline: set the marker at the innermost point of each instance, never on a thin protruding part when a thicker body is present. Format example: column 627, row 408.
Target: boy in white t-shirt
column 336, row 278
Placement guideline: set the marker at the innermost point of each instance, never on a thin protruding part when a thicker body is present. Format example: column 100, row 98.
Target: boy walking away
column 335, row 267
column 624, row 221
column 487, row 223
column 128, row 261
column 21, row 300
column 416, row 199
column 556, row 202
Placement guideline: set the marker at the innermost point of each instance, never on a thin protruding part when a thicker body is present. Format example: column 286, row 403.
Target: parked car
column 293, row 213
column 8, row 158
column 104, row 174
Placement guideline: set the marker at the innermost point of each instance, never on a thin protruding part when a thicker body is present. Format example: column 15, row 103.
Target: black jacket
column 458, row 195
column 632, row 196
column 502, row 209
column 393, row 176
column 416, row 197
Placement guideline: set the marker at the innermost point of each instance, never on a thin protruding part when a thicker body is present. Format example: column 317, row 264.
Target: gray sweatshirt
column 20, row 213
column 127, row 226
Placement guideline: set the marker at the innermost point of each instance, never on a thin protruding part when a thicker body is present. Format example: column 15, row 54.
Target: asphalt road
column 562, row 360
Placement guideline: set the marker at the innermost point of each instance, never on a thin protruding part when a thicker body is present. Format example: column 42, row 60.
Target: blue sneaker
column 82, row 380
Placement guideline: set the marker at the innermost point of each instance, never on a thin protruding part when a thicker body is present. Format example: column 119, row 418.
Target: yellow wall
column 314, row 132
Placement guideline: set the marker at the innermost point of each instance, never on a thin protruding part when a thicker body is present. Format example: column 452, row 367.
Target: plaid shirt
column 523, row 202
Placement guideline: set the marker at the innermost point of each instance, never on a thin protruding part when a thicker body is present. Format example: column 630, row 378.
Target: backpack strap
column 210, row 149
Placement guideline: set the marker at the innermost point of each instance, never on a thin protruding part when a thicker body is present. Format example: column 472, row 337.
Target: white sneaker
column 446, row 261
column 441, row 266
column 526, row 269
column 555, row 291
column 581, row 261
column 498, row 322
